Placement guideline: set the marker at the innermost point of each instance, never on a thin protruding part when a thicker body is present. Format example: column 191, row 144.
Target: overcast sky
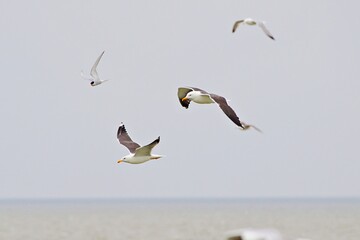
column 58, row 134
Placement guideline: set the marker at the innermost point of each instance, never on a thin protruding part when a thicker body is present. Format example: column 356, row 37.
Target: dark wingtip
column 121, row 128
column 241, row 125
column 156, row 141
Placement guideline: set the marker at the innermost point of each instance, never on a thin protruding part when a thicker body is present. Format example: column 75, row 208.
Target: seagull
column 188, row 94
column 94, row 79
column 137, row 154
column 251, row 22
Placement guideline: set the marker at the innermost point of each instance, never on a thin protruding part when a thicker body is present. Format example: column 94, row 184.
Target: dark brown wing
column 227, row 109
column 183, row 91
column 236, row 24
column 125, row 139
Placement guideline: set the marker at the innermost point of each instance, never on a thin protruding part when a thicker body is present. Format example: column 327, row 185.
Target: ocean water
column 177, row 219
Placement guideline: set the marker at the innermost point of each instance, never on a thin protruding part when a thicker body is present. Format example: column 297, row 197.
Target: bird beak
column 120, row 161
column 184, row 99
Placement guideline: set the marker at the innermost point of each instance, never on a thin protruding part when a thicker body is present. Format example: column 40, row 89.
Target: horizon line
column 174, row 199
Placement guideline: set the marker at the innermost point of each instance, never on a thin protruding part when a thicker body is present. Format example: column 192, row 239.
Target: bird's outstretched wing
column 93, row 71
column 236, row 25
column 266, row 31
column 227, row 109
column 85, row 77
column 146, row 150
column 125, row 139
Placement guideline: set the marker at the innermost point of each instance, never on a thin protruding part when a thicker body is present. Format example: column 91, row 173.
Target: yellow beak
column 120, row 161
column 184, row 99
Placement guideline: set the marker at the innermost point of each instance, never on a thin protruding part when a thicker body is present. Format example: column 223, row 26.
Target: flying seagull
column 137, row 154
column 94, row 76
column 251, row 22
column 188, row 94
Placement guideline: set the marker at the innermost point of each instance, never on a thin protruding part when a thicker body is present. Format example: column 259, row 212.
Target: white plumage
column 94, row 76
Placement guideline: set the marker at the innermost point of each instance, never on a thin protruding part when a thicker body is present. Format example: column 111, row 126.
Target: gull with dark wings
column 251, row 22
column 94, row 76
column 197, row 95
column 137, row 154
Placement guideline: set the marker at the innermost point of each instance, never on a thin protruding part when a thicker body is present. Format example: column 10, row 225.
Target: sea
column 177, row 219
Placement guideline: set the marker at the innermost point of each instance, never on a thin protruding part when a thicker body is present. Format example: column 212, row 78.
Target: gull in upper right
column 94, row 76
column 252, row 22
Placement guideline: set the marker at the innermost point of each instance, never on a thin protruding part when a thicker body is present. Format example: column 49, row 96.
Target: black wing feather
column 227, row 109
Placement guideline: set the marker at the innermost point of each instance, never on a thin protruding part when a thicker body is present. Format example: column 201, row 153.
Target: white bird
column 251, row 22
column 188, row 94
column 94, row 76
column 137, row 154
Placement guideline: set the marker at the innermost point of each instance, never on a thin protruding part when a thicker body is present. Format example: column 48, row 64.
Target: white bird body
column 94, row 76
column 249, row 21
column 199, row 97
column 132, row 158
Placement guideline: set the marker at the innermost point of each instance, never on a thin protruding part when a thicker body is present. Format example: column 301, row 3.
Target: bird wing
column 236, row 24
column 227, row 109
column 183, row 91
column 266, row 31
column 146, row 150
column 85, row 77
column 247, row 126
column 125, row 139
column 93, row 71
column 256, row 128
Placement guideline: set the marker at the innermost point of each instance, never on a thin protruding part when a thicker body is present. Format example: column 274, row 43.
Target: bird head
column 124, row 159
column 189, row 96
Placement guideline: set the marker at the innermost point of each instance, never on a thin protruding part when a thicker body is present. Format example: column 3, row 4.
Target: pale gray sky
column 58, row 134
